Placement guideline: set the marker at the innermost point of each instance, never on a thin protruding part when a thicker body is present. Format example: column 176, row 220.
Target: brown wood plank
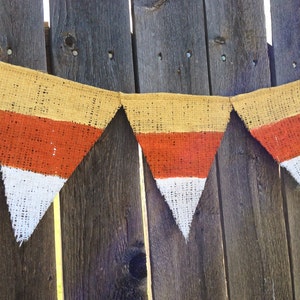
column 91, row 43
column 28, row 272
column 170, row 46
column 254, row 229
column 102, row 229
column 237, row 46
column 286, row 40
column 164, row 33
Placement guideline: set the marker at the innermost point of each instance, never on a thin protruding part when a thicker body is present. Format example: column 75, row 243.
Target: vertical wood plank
column 28, row 272
column 250, row 196
column 292, row 198
column 237, row 45
column 102, row 233
column 254, row 226
column 91, row 43
column 285, row 17
column 22, row 38
column 286, row 44
column 170, row 47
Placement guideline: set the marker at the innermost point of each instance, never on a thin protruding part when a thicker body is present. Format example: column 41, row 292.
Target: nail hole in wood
column 159, row 56
column 294, row 65
column 189, row 54
column 223, row 57
column 137, row 266
column 111, row 54
column 254, row 62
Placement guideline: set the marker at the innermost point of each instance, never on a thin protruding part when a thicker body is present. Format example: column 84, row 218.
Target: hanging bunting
column 179, row 135
column 273, row 117
column 47, row 126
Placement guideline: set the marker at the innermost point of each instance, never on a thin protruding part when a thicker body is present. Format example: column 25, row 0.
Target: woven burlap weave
column 48, row 124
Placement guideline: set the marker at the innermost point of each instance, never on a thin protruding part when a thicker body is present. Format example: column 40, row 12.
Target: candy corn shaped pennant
column 273, row 117
column 47, row 125
column 179, row 135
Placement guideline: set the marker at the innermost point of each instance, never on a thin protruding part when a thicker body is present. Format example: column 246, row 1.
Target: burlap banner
column 48, row 124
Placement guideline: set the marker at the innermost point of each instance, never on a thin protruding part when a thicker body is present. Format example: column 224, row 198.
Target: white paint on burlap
column 293, row 166
column 182, row 195
column 28, row 195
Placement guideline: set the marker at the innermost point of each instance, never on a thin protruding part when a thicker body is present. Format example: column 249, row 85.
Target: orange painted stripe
column 180, row 154
column 43, row 145
column 281, row 139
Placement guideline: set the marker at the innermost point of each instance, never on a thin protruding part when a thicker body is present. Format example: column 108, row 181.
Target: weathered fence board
column 171, row 56
column 91, row 43
column 170, row 46
column 27, row 272
column 22, row 38
column 285, row 39
column 286, row 45
column 254, row 226
column 244, row 241
column 239, row 64
column 101, row 213
column 237, row 46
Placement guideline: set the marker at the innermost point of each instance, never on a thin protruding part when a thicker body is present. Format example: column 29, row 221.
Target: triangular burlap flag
column 179, row 135
column 273, row 117
column 47, row 125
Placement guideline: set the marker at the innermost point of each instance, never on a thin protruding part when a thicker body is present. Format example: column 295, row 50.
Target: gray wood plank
column 103, row 251
column 28, row 272
column 285, row 17
column 254, row 225
column 22, row 38
column 91, row 43
column 292, row 197
column 286, row 68
column 170, row 47
column 192, row 270
column 237, row 45
column 101, row 214
column 254, row 229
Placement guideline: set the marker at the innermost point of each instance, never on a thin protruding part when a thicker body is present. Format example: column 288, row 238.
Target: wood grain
column 237, row 46
column 102, row 229
column 170, row 48
column 253, row 216
column 171, row 57
column 291, row 194
column 285, row 40
column 22, row 33
column 102, row 233
column 91, row 43
column 257, row 257
column 28, row 272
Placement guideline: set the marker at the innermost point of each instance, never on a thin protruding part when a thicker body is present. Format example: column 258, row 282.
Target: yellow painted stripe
column 266, row 106
column 164, row 112
column 145, row 224
column 38, row 94
column 58, row 249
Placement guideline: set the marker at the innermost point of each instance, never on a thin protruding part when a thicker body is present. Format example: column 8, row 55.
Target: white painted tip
column 182, row 195
column 28, row 197
column 293, row 166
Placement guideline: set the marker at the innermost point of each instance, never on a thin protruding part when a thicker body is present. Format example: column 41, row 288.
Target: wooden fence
column 244, row 241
